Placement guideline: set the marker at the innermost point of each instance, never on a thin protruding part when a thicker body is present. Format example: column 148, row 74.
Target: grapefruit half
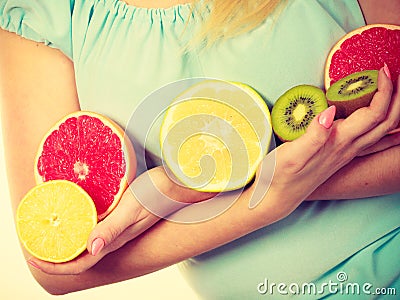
column 92, row 151
column 365, row 48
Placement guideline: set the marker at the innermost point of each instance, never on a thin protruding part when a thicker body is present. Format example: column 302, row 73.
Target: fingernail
column 387, row 71
column 97, row 245
column 33, row 264
column 327, row 116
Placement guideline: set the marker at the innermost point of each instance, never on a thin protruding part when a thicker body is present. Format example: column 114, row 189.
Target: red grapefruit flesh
column 92, row 151
column 366, row 48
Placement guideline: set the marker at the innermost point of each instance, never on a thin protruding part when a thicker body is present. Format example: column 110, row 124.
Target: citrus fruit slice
column 54, row 220
column 92, row 151
column 365, row 48
column 215, row 134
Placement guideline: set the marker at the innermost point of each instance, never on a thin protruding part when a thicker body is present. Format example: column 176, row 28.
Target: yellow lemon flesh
column 215, row 134
column 54, row 220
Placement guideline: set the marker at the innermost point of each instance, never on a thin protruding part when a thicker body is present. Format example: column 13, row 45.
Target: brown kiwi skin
column 346, row 108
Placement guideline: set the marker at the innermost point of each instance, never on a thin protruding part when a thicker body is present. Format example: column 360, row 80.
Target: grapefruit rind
column 338, row 44
column 40, row 208
column 127, row 148
column 264, row 140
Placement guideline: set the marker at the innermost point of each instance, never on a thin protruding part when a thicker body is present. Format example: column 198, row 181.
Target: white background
column 16, row 282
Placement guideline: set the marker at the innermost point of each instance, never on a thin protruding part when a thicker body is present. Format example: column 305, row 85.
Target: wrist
column 153, row 191
column 273, row 199
column 173, row 189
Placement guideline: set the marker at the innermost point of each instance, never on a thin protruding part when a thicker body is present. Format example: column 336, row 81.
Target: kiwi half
column 352, row 92
column 295, row 109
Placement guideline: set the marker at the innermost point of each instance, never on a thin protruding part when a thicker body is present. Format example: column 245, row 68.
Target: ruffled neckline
column 127, row 6
column 120, row 8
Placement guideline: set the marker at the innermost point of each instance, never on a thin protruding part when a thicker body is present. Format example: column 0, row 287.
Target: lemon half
column 54, row 220
column 215, row 134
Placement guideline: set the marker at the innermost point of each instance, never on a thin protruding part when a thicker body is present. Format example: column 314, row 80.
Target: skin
column 387, row 12
column 33, row 75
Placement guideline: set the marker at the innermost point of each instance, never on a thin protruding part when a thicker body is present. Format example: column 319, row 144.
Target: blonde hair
column 228, row 18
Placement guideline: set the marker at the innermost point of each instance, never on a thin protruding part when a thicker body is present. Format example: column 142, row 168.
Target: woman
column 108, row 49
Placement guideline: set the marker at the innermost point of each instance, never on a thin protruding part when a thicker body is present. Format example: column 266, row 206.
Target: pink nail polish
column 327, row 116
column 33, row 264
column 387, row 71
column 97, row 245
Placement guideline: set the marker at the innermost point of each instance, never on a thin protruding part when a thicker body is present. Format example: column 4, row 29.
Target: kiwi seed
column 352, row 92
column 295, row 109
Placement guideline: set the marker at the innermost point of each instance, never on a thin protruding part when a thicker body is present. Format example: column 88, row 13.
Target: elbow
column 55, row 292
column 55, row 285
column 54, row 289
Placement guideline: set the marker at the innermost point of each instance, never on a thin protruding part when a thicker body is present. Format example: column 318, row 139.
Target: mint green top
column 122, row 54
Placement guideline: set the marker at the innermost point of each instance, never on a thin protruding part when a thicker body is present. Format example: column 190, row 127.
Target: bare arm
column 373, row 175
column 376, row 174
column 383, row 11
column 37, row 88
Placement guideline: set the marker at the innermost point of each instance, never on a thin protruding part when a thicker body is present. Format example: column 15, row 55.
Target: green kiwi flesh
column 295, row 109
column 352, row 92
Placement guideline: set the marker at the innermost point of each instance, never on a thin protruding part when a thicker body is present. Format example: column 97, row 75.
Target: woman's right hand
column 304, row 164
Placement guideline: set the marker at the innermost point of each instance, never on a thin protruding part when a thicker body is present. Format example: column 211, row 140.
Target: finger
column 397, row 106
column 387, row 126
column 396, row 130
column 382, row 98
column 367, row 118
column 391, row 122
column 313, row 140
column 385, row 143
column 125, row 213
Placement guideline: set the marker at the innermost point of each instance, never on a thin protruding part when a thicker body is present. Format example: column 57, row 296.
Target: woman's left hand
column 144, row 203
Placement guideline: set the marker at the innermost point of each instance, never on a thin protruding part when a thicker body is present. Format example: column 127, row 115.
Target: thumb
column 315, row 137
column 106, row 231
